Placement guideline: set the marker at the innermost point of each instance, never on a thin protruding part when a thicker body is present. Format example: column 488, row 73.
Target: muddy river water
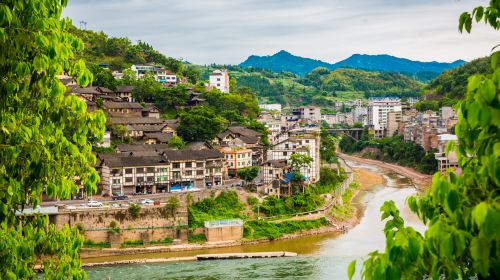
column 324, row 256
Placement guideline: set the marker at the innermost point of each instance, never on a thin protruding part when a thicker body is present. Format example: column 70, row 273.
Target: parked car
column 119, row 197
column 93, row 203
column 146, row 201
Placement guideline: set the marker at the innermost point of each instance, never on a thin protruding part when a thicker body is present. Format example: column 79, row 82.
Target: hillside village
column 147, row 164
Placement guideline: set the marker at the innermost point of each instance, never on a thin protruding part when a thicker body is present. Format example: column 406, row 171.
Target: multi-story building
column 308, row 113
column 303, row 141
column 378, row 107
column 393, row 120
column 236, row 159
column 150, row 171
column 125, row 93
column 160, row 74
column 446, row 161
column 359, row 114
column 271, row 107
column 219, row 79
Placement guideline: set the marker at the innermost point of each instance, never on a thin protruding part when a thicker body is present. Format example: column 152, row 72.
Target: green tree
column 172, row 205
column 461, row 212
column 248, row 173
column 200, row 124
column 233, row 85
column 176, row 142
column 297, row 161
column 102, row 77
column 44, row 138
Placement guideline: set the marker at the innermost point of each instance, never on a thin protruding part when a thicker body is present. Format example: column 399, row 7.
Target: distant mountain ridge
column 285, row 61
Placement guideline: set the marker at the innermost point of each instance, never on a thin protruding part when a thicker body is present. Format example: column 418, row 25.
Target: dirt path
column 419, row 179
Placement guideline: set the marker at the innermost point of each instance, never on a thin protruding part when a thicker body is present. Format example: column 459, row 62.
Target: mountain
column 285, row 61
column 388, row 63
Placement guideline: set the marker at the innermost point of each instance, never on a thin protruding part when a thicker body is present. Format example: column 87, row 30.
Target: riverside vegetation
column 228, row 206
column 392, row 149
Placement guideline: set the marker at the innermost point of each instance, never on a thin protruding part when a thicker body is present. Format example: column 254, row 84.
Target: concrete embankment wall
column 153, row 223
column 225, row 233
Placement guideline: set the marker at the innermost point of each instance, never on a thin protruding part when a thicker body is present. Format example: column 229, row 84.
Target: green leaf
column 351, row 269
column 479, row 213
column 478, row 11
column 453, row 200
column 494, row 59
column 488, row 91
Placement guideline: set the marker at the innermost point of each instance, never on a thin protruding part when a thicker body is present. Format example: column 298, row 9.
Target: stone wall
column 153, row 223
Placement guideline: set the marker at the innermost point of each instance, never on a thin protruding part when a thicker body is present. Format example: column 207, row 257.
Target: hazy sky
column 228, row 31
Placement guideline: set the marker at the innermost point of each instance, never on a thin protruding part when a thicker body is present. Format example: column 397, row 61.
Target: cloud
column 225, row 31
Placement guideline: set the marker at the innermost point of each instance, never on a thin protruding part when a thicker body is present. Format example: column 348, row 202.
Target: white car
column 93, row 203
column 146, row 201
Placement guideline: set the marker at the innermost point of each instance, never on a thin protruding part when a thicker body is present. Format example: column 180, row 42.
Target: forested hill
column 452, row 84
column 285, row 61
column 321, row 87
column 120, row 53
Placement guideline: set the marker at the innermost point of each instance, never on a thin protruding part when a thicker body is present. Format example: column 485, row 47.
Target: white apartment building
column 219, row 79
column 378, row 107
column 303, row 141
column 271, row 107
column 160, row 74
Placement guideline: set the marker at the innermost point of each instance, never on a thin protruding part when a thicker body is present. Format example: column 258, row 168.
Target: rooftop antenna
column 83, row 25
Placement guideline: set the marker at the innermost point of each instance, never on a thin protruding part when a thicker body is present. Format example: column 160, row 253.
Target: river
column 324, row 256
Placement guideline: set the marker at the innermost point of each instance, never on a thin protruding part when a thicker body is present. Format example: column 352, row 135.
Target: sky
column 228, row 31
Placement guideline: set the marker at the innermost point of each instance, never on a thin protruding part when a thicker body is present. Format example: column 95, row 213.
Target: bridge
column 354, row 133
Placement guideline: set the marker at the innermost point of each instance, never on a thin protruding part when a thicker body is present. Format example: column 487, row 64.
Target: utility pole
column 83, row 25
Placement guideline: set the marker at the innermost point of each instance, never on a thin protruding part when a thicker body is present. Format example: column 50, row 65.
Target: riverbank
column 365, row 178
column 421, row 181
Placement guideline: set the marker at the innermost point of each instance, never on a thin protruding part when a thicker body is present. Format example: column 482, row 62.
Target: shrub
column 134, row 210
column 260, row 228
column 197, row 238
column 252, row 200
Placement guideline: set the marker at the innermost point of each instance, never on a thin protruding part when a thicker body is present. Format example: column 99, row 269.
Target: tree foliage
column 248, row 173
column 461, row 212
column 44, row 138
column 393, row 149
column 200, row 124
column 176, row 142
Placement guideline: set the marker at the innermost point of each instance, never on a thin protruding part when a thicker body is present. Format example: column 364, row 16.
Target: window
column 189, row 164
column 189, row 173
column 139, row 170
column 150, row 169
column 199, row 172
column 176, row 165
column 176, row 174
column 199, row 164
column 161, row 178
column 129, row 171
column 218, row 85
column 115, row 171
column 140, row 180
column 162, row 169
column 271, row 171
column 284, row 153
column 129, row 180
column 218, row 79
column 307, row 141
column 116, row 181
column 151, row 179
column 218, row 169
column 286, row 146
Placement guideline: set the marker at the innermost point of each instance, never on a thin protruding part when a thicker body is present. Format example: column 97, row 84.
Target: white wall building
column 219, row 79
column 378, row 109
column 270, row 107
column 309, row 113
